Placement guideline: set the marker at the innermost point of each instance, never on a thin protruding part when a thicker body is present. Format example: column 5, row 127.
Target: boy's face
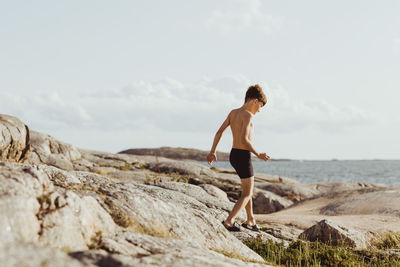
column 256, row 106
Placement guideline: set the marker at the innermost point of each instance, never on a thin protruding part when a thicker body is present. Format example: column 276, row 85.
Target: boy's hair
column 255, row 92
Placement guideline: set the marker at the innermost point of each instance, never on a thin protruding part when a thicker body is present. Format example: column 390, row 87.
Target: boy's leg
column 249, row 211
column 247, row 192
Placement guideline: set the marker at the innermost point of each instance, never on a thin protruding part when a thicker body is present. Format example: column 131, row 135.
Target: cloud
column 242, row 15
column 288, row 114
column 173, row 106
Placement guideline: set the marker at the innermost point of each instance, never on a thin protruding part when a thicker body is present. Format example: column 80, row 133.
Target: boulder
column 330, row 233
column 267, row 202
column 14, row 139
column 47, row 150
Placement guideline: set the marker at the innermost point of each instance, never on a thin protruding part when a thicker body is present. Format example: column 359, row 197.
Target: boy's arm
column 247, row 141
column 212, row 155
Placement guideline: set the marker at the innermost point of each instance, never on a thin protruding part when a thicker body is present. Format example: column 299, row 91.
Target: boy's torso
column 238, row 125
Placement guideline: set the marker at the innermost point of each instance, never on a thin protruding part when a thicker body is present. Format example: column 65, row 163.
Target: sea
column 314, row 171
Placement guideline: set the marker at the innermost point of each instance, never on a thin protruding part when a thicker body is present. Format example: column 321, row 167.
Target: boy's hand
column 211, row 157
column 263, row 156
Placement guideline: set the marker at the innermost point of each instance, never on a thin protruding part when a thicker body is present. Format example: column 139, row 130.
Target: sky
column 113, row 75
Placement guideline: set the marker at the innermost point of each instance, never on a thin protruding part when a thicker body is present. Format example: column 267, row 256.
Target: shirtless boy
column 240, row 156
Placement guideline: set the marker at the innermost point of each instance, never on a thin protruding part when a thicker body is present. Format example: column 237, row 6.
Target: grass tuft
column 389, row 240
column 318, row 254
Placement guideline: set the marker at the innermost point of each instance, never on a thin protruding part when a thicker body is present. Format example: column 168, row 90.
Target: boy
column 240, row 156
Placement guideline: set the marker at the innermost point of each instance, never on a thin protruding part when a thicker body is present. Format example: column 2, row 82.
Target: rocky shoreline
column 66, row 206
column 181, row 153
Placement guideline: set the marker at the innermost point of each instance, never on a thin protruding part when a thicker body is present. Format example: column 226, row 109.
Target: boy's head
column 255, row 92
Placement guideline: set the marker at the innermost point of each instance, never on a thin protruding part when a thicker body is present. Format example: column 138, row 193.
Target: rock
column 215, row 191
column 133, row 249
column 20, row 186
column 17, row 254
column 330, row 233
column 297, row 192
column 165, row 213
column 384, row 202
column 263, row 177
column 268, row 202
column 14, row 139
column 294, row 192
column 47, row 150
column 33, row 210
column 219, row 208
column 159, row 164
column 74, row 226
column 105, row 159
column 175, row 153
column 248, row 235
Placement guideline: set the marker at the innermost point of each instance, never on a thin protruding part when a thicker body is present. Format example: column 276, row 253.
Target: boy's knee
column 247, row 196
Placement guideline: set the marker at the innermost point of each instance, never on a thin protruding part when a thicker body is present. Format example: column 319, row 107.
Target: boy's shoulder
column 242, row 113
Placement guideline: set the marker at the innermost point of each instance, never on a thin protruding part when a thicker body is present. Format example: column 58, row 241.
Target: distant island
column 181, row 153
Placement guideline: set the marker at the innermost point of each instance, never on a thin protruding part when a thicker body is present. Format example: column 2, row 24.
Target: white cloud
column 288, row 114
column 174, row 106
column 242, row 15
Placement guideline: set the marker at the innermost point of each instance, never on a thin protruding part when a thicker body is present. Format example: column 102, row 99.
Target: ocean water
column 314, row 171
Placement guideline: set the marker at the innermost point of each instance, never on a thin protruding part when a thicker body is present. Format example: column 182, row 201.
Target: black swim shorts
column 240, row 160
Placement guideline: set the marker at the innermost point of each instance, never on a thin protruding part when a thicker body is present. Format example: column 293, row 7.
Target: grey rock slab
column 33, row 209
column 167, row 213
column 298, row 192
column 294, row 192
column 186, row 167
column 215, row 192
column 73, row 226
column 263, row 177
column 106, row 159
column 21, row 254
column 20, row 186
column 146, row 250
column 249, row 235
column 329, row 232
column 14, row 139
column 378, row 202
column 267, row 202
column 18, row 219
column 202, row 196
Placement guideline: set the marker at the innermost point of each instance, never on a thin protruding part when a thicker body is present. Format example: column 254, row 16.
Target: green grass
column 389, row 240
column 173, row 177
column 318, row 254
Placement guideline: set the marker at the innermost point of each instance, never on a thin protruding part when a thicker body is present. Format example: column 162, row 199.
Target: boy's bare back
column 241, row 126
